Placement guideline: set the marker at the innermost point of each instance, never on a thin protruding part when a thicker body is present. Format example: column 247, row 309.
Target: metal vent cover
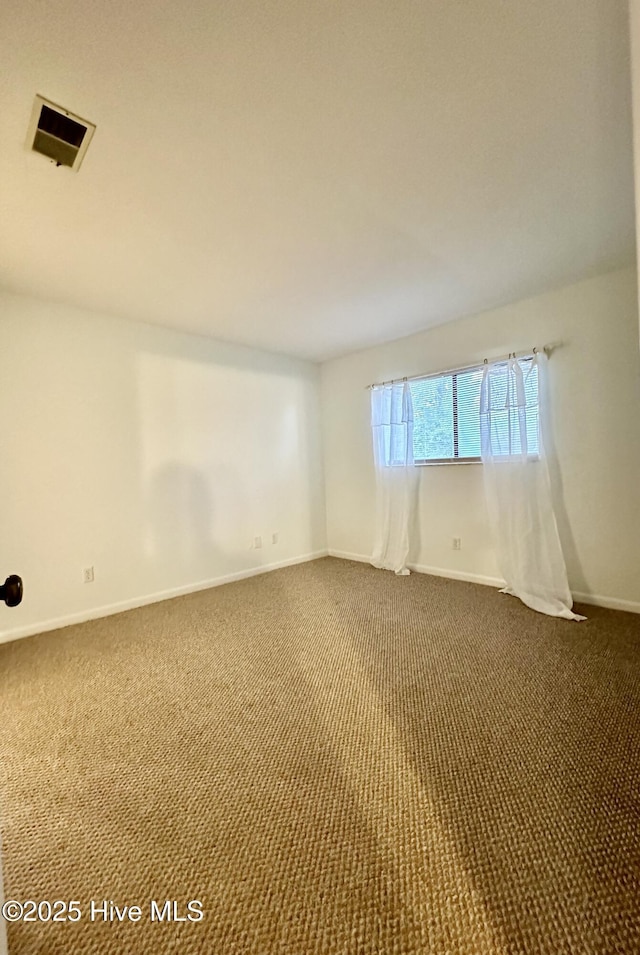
column 58, row 134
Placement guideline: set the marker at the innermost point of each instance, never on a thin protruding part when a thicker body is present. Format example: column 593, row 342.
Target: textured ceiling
column 314, row 177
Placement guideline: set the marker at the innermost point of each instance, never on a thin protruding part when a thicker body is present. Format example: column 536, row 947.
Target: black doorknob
column 11, row 590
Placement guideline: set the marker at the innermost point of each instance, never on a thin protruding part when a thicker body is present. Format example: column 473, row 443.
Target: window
column 446, row 414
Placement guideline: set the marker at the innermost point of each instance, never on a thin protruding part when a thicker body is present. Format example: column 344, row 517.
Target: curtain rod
column 449, row 371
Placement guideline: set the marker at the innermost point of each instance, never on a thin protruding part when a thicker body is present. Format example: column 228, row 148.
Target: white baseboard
column 106, row 611
column 425, row 569
column 345, row 555
column 458, row 575
column 594, row 600
column 611, row 603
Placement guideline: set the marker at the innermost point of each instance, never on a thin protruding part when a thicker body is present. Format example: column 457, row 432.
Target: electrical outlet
column 274, row 537
column 457, row 543
column 88, row 575
column 257, row 542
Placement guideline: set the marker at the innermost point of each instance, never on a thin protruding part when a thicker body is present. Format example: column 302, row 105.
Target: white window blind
column 446, row 414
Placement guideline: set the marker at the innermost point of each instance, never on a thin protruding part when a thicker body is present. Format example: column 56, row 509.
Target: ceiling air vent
column 58, row 134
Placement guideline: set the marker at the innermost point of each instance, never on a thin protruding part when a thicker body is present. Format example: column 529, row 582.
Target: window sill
column 431, row 464
column 457, row 463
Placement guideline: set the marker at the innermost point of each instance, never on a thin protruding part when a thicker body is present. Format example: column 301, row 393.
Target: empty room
column 320, row 477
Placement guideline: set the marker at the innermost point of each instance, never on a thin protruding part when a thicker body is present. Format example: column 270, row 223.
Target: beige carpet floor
column 331, row 760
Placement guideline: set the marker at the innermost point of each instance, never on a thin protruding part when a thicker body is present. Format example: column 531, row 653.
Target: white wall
column 595, row 393
column 153, row 455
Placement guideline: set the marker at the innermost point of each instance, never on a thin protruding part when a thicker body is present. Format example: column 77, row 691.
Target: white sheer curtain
column 392, row 429
column 518, row 488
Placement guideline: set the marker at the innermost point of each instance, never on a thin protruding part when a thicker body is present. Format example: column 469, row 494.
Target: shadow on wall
column 180, row 537
column 165, row 455
column 228, row 453
column 229, row 439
